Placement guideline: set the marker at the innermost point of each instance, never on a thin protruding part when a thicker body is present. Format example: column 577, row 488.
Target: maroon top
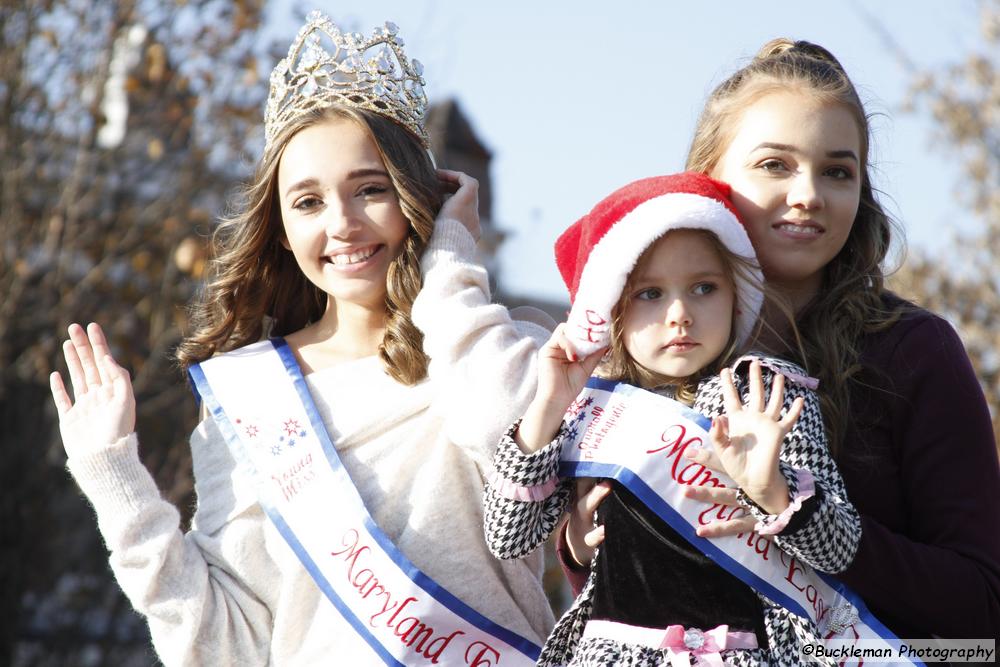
column 921, row 468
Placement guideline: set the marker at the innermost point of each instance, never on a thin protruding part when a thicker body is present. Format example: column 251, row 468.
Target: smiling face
column 794, row 166
column 679, row 311
column 341, row 215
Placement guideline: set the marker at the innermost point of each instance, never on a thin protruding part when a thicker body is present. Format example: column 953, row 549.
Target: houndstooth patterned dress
column 826, row 539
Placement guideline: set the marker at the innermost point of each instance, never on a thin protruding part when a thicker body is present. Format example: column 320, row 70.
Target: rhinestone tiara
column 325, row 66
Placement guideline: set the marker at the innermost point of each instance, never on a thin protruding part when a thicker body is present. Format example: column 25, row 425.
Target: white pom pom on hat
column 598, row 252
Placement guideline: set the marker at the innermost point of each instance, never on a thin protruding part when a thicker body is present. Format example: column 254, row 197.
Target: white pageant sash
column 261, row 403
column 636, row 437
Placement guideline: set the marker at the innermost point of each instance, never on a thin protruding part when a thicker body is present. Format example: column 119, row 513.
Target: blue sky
column 577, row 98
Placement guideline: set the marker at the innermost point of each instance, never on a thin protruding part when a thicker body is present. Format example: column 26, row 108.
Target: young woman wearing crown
column 340, row 466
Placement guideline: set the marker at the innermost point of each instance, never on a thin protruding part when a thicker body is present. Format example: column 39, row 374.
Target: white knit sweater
column 231, row 592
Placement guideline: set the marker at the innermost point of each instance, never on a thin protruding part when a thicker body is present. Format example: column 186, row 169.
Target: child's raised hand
column 747, row 439
column 562, row 375
column 104, row 411
column 461, row 199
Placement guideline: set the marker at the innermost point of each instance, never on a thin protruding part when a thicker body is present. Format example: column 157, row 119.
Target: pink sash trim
column 806, row 490
column 526, row 494
column 806, row 381
column 680, row 642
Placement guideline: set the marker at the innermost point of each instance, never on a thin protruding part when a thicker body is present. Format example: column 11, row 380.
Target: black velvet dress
column 646, row 574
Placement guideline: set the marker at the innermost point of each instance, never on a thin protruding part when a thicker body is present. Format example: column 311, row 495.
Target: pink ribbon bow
column 706, row 646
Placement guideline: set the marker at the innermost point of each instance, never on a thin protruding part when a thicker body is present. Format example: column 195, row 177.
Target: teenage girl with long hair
column 400, row 361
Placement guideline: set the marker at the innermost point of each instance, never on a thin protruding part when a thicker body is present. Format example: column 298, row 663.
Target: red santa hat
column 598, row 252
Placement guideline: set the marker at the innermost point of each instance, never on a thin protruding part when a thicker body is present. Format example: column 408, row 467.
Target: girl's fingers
column 730, row 397
column 715, row 435
column 466, row 181
column 590, row 362
column 86, row 355
column 75, row 369
column 116, row 375
column 560, row 345
column 450, row 180
column 568, row 351
column 462, row 194
column 738, row 526
column 556, row 347
column 594, row 538
column 595, row 496
column 582, row 488
column 719, row 433
column 793, row 413
column 99, row 345
column 449, row 175
column 718, row 436
column 557, row 336
column 457, row 178
column 777, row 396
column 587, row 496
column 721, row 495
column 706, row 457
column 562, row 348
column 756, row 402
column 59, row 395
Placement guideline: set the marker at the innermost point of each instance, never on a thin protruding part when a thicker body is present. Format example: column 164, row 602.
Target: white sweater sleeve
column 483, row 360
column 195, row 589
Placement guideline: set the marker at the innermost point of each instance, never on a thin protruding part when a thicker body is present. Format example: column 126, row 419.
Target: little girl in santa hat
column 666, row 295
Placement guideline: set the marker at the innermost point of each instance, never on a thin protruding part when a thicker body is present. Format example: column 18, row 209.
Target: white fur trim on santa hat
column 613, row 257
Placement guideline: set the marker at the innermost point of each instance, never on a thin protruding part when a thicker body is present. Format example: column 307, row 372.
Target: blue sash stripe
column 445, row 597
column 229, row 433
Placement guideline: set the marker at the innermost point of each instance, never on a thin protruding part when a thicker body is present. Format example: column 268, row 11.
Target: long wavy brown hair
column 256, row 289
column 850, row 302
column 619, row 365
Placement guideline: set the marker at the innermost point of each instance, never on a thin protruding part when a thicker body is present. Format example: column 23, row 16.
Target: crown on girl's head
column 367, row 73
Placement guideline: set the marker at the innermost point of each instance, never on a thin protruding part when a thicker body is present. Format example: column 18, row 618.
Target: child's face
column 340, row 211
column 680, row 306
